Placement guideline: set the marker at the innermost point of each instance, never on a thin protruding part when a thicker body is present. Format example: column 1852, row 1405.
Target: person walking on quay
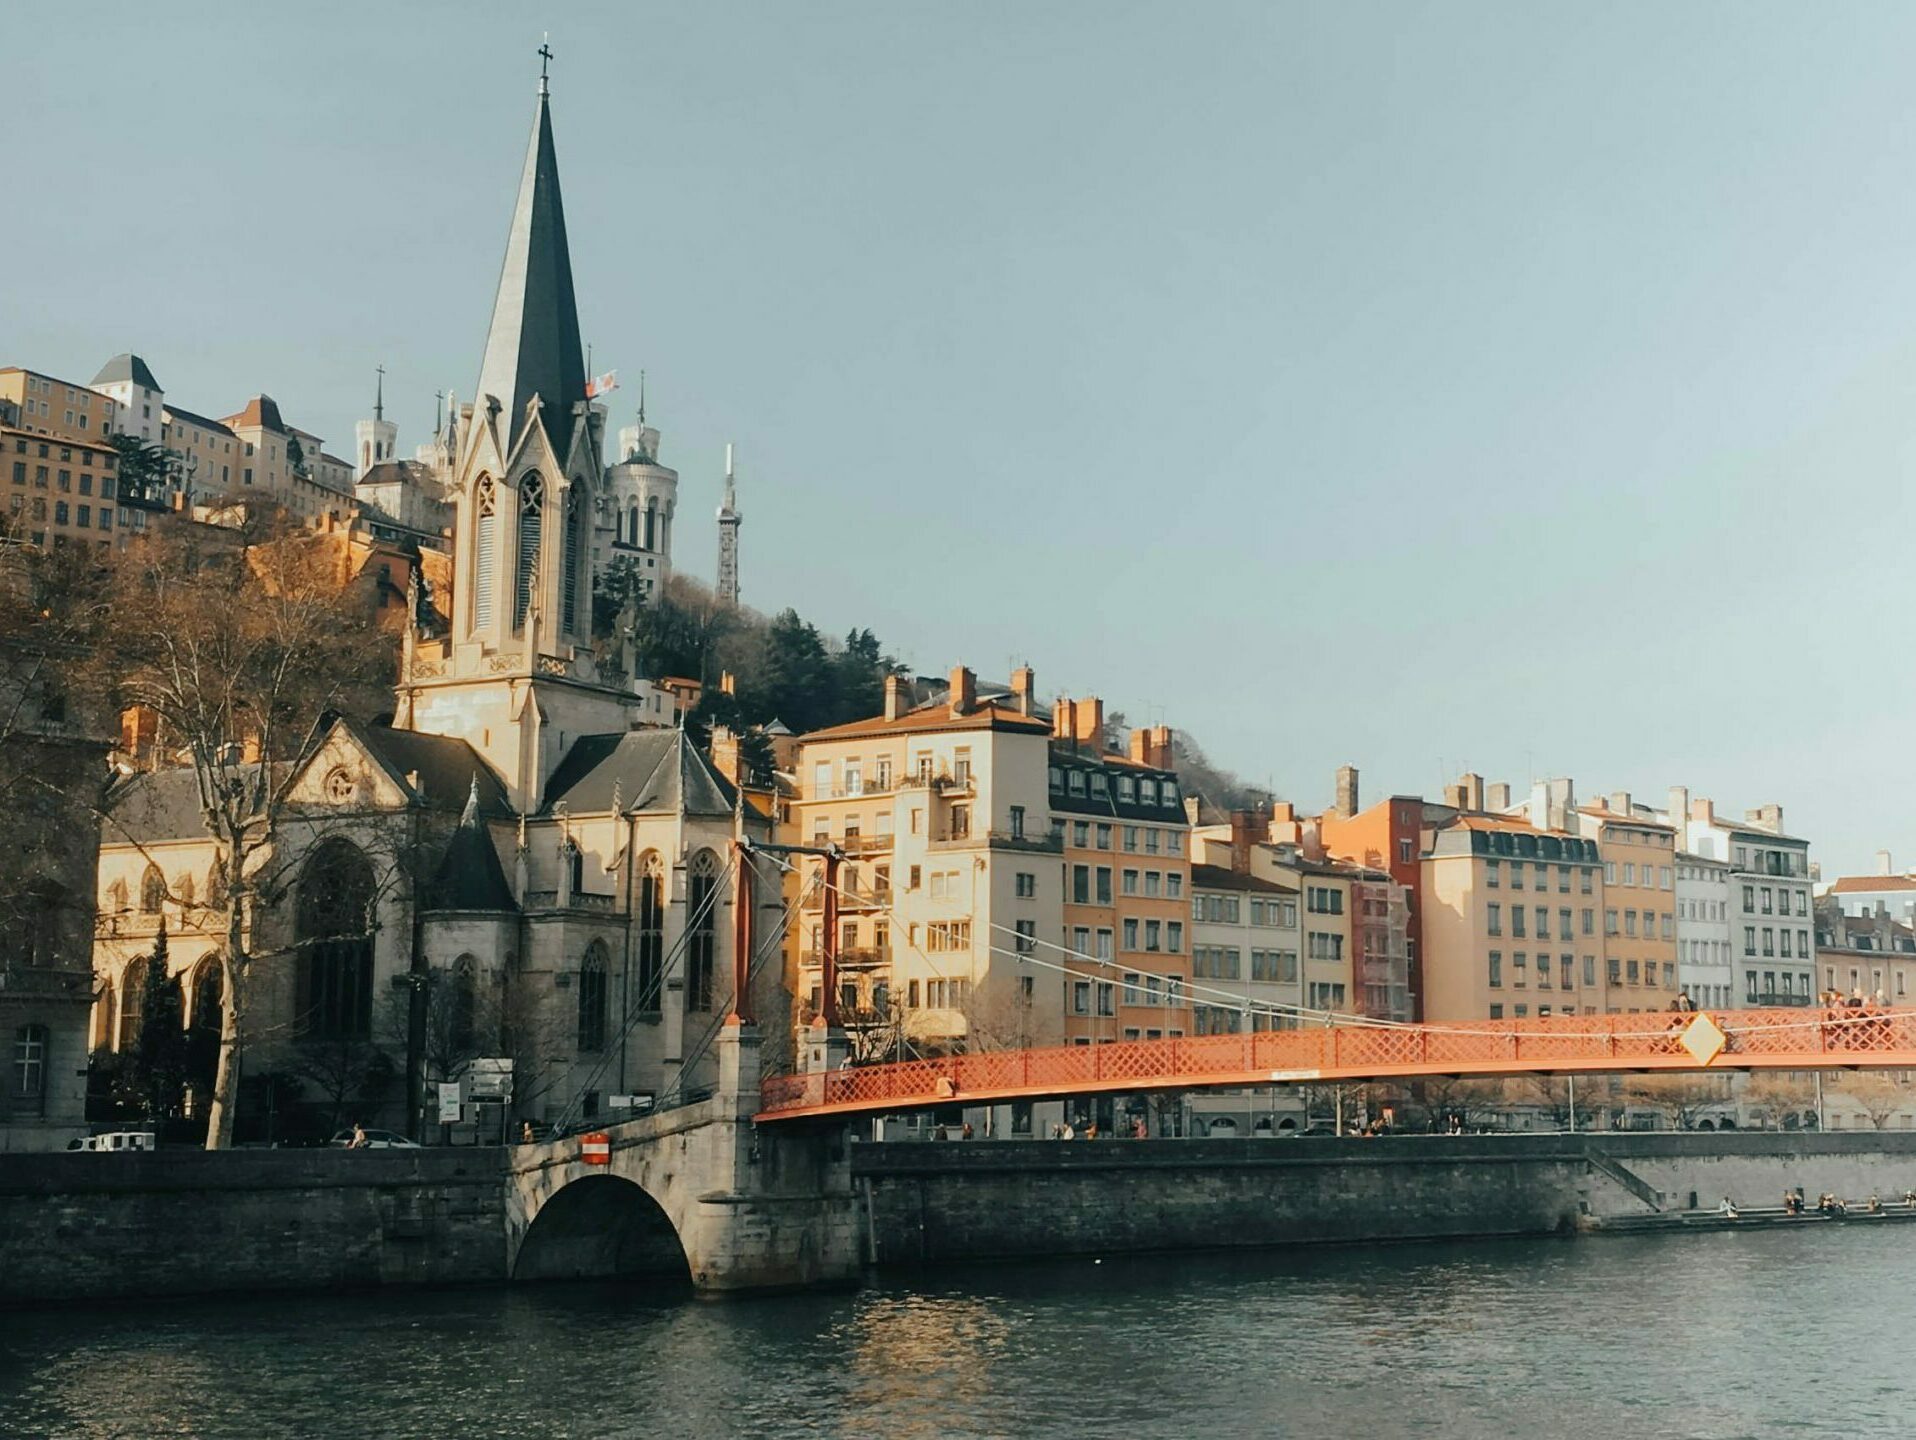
column 358, row 1142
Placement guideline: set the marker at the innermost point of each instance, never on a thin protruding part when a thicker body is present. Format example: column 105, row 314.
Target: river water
column 1764, row 1333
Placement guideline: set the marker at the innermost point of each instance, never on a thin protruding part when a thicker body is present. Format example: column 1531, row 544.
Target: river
column 1764, row 1333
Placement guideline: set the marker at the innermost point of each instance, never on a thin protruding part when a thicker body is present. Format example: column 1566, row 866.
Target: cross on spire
column 545, row 59
column 379, row 393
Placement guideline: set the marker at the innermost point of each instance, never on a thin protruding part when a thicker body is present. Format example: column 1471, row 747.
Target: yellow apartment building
column 1639, row 905
column 950, row 879
column 46, row 405
column 60, row 491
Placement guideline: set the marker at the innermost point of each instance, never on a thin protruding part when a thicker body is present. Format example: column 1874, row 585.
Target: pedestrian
column 1091, row 1131
column 1727, row 1209
column 967, row 1130
column 1068, row 1132
column 358, row 1142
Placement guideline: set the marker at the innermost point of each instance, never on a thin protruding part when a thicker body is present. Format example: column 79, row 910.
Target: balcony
column 857, row 957
column 866, row 844
column 581, row 900
column 1047, row 844
column 1768, row 998
column 850, row 899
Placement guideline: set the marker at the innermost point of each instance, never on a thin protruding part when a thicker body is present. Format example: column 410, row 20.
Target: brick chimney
column 894, row 696
column 1024, row 686
column 1087, row 722
column 964, row 691
column 725, row 755
column 1161, row 747
column 1243, row 836
column 1766, row 817
column 1346, row 805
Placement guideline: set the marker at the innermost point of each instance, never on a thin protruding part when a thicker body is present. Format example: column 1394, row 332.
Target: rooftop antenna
column 545, row 59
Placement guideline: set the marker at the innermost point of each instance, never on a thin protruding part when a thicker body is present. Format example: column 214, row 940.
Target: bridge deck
column 1803, row 1039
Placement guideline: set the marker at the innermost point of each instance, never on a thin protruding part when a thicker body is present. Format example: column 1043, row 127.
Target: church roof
column 447, row 768
column 533, row 345
column 126, row 367
column 652, row 771
column 470, row 876
column 163, row 804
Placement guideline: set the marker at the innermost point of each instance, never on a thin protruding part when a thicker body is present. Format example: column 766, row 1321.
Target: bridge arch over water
column 601, row 1226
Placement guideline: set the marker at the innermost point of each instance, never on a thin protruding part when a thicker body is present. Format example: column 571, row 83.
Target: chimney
column 1679, row 811
column 1024, row 685
column 1883, row 866
column 1563, row 802
column 1243, row 836
column 1157, row 747
column 1064, row 719
column 1539, row 814
column 1497, row 797
column 1704, row 809
column 1473, row 788
column 964, row 691
column 894, row 696
column 1346, row 791
column 1619, row 803
column 1456, row 795
column 728, row 682
column 1088, row 723
column 725, row 755
column 249, row 752
column 1140, row 747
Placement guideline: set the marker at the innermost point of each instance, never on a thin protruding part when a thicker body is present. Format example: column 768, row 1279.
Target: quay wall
column 84, row 1226
column 928, row 1203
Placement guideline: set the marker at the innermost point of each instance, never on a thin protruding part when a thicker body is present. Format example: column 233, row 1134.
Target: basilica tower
column 730, row 517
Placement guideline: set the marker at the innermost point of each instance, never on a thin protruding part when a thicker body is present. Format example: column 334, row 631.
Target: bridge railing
column 1652, row 1040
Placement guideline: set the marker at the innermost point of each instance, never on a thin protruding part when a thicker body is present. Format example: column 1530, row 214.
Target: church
column 532, row 864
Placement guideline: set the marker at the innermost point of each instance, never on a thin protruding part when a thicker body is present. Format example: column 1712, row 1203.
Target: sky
column 1514, row 388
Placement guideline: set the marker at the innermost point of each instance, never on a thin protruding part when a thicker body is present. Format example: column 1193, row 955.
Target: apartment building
column 1638, row 855
column 1121, row 824
column 950, row 891
column 1388, row 837
column 1771, row 927
column 1246, row 952
column 1706, row 968
column 1510, row 917
column 46, row 405
column 1863, row 896
column 1872, row 955
column 288, row 465
column 60, row 491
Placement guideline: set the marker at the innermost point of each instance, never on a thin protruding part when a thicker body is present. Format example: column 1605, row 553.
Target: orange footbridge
column 1354, row 1050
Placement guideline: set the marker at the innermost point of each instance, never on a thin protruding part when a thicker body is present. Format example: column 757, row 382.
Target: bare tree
column 1776, row 1094
column 241, row 646
column 1680, row 1098
column 1876, row 1093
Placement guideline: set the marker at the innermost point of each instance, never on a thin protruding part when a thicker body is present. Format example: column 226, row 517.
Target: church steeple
column 533, row 346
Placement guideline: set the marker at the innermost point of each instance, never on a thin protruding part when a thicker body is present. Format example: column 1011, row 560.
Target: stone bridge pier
column 698, row 1193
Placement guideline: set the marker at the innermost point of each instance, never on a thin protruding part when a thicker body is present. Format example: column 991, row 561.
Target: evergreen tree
column 155, row 1075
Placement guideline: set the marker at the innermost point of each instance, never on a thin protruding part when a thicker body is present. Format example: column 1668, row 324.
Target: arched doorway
column 602, row 1226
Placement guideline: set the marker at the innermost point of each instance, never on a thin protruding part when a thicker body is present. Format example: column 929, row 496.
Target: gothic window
column 462, row 1007
column 592, row 973
column 152, row 890
column 574, row 525
column 651, row 920
column 30, row 1065
column 632, row 524
column 334, row 929
column 485, row 545
column 651, row 524
column 701, row 901
column 574, row 861
column 532, row 500
column 132, row 1007
column 116, row 897
column 203, row 1027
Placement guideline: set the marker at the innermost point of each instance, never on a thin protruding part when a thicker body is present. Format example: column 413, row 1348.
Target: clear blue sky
column 1520, row 387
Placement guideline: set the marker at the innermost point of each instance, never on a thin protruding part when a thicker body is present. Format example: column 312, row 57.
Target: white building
column 1705, row 960
column 1245, row 976
column 644, row 497
column 1771, row 926
column 1859, row 896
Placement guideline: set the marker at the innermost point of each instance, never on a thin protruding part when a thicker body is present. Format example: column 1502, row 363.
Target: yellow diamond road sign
column 1704, row 1039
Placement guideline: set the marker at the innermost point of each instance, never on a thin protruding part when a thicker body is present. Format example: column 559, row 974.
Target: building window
column 531, row 523
column 592, row 985
column 1027, row 885
column 1496, row 968
column 30, row 1063
column 701, row 902
column 651, row 933
column 334, row 924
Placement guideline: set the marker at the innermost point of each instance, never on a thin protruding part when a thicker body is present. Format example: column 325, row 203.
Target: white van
column 119, row 1141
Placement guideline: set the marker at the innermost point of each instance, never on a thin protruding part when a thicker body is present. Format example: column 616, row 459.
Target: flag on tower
column 602, row 385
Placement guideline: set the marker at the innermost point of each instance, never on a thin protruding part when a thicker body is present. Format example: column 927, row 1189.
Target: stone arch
column 152, row 890
column 132, row 1005
column 599, row 1226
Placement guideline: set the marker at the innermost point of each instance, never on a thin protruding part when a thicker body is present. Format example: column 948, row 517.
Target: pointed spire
column 533, row 345
column 470, row 815
column 379, row 393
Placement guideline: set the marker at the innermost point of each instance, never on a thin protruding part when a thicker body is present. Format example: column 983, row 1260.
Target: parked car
column 116, row 1142
column 375, row 1140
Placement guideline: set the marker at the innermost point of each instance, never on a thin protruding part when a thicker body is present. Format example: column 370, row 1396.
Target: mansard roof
column 652, row 770
column 533, row 346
